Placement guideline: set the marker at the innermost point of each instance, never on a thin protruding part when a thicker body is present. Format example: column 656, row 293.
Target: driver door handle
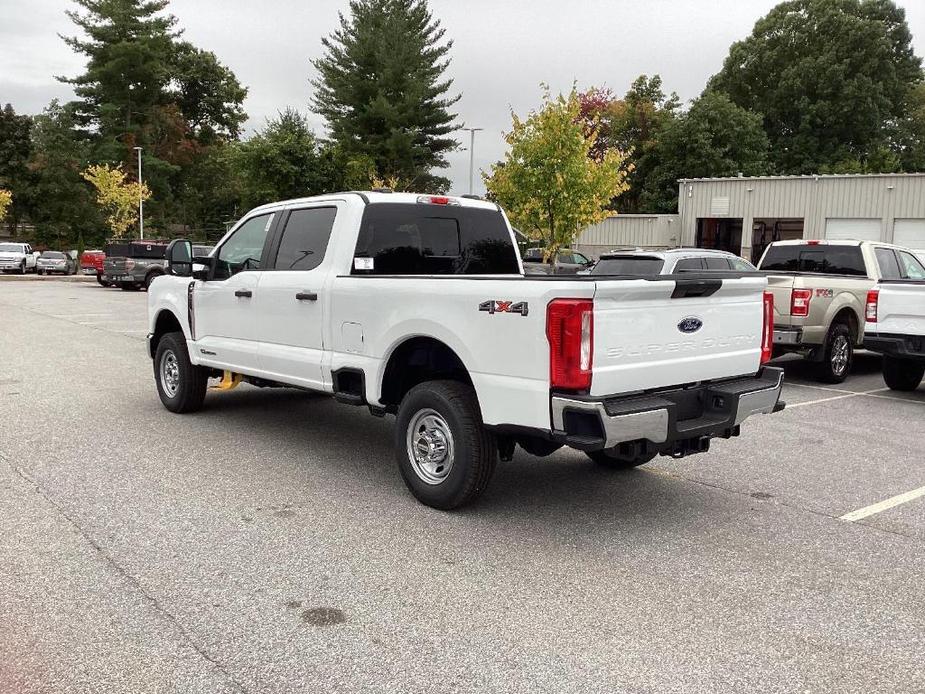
column 247, row 293
column 307, row 296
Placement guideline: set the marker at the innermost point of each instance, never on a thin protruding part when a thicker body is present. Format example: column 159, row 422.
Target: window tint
column 243, row 248
column 305, row 238
column 689, row 264
column 421, row 239
column 629, row 265
column 827, row 259
column 714, row 263
column 886, row 261
column 580, row 259
column 912, row 268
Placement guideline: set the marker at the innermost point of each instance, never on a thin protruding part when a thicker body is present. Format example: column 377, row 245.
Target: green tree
column 60, row 203
column 548, row 183
column 714, row 138
column 117, row 197
column 383, row 91
column 911, row 131
column 285, row 160
column 830, row 78
column 15, row 149
column 144, row 87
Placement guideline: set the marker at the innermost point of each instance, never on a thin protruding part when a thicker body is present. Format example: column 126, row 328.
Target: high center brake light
column 799, row 301
column 873, row 304
column 570, row 331
column 767, row 332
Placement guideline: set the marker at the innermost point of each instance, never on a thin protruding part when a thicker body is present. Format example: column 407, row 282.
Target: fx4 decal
column 828, row 293
column 495, row 306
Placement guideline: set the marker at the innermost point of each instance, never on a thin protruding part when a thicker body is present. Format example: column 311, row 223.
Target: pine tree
column 383, row 92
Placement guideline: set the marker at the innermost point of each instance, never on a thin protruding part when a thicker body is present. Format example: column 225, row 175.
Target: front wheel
column 838, row 354
column 181, row 385
column 902, row 374
column 445, row 455
column 22, row 268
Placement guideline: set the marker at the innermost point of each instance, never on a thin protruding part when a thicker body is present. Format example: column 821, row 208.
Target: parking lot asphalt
column 267, row 543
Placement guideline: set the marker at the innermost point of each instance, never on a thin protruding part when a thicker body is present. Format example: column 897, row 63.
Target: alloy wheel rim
column 840, row 355
column 170, row 373
column 431, row 449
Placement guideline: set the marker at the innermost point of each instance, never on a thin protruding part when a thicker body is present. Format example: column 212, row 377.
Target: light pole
column 141, row 201
column 472, row 132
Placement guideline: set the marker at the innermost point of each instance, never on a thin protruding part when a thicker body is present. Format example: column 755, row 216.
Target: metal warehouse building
column 743, row 215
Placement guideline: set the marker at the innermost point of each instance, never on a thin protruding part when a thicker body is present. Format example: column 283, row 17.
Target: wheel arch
column 165, row 322
column 414, row 360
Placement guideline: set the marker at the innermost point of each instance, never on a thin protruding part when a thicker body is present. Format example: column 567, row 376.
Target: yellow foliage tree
column 548, row 184
column 116, row 196
column 6, row 199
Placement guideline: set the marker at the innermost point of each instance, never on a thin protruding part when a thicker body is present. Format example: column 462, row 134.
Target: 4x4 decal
column 495, row 306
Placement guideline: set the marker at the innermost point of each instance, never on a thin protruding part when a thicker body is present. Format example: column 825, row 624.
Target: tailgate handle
column 246, row 293
column 307, row 296
column 694, row 288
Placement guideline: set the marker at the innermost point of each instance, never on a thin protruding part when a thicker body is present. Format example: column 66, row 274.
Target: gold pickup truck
column 821, row 296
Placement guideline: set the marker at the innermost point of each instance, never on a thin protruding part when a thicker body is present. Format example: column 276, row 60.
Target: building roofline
column 802, row 177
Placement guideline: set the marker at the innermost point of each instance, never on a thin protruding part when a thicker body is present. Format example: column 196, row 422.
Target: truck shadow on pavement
column 325, row 438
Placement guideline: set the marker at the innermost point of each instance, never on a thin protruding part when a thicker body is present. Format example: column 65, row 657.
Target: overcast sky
column 502, row 51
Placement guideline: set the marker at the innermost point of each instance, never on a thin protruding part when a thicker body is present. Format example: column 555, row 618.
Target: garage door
column 909, row 233
column 852, row 229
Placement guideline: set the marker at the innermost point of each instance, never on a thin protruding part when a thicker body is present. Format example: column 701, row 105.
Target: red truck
column 91, row 263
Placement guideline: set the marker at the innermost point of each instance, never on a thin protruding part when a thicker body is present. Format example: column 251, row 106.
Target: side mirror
column 179, row 257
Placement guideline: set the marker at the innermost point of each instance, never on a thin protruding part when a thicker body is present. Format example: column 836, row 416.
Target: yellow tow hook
column 229, row 380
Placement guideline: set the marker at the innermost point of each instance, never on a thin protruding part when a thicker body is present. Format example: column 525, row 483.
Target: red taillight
column 767, row 330
column 799, row 302
column 873, row 299
column 570, row 331
column 813, row 243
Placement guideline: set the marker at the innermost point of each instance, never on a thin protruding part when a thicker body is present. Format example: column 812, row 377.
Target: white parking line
column 883, row 505
column 816, row 402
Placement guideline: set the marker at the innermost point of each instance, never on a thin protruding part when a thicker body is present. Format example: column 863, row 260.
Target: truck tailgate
column 900, row 308
column 781, row 286
column 662, row 333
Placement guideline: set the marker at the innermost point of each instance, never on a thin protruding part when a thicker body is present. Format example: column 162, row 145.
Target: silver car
column 51, row 262
column 672, row 261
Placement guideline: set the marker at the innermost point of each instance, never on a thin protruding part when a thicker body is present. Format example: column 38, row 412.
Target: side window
column 886, row 260
column 242, row 250
column 688, row 265
column 580, row 259
column 305, row 238
column 741, row 265
column 912, row 268
column 716, row 263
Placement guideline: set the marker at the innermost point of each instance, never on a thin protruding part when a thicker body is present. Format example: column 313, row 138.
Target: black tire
column 837, row 355
column 186, row 393
column 99, row 280
column 473, row 449
column 902, row 374
column 22, row 268
column 612, row 460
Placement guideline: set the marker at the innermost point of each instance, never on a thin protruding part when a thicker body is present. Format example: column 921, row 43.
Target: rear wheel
column 445, row 455
column 150, row 278
column 99, row 279
column 902, row 374
column 180, row 384
column 838, row 354
column 612, row 460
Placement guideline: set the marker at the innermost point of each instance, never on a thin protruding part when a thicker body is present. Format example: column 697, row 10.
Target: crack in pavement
column 185, row 633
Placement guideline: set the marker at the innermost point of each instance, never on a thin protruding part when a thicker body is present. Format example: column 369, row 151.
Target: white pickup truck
column 17, row 256
column 895, row 327
column 417, row 306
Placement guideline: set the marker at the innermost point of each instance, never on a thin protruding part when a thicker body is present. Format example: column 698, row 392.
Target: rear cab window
column 642, row 266
column 817, row 258
column 422, row 239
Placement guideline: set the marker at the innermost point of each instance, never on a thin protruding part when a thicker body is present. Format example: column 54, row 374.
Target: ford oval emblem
column 690, row 325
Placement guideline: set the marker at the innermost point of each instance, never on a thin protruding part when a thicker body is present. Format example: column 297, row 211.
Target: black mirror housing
column 179, row 255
